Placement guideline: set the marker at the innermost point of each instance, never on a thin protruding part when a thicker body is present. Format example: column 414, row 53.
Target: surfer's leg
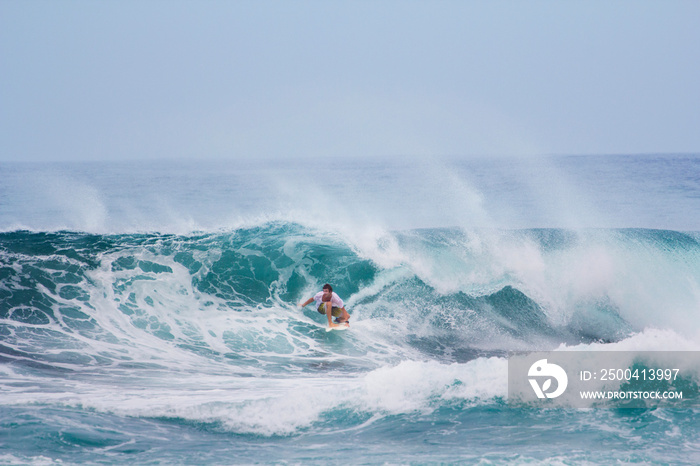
column 329, row 308
column 344, row 316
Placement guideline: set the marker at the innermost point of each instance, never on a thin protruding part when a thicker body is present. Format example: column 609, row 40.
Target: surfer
column 329, row 303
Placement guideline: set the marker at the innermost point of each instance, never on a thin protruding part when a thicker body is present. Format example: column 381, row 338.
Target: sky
column 155, row 79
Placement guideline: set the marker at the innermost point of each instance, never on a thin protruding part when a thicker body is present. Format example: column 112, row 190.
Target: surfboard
column 339, row 327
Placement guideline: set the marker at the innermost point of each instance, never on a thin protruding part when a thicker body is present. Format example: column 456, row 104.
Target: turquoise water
column 148, row 314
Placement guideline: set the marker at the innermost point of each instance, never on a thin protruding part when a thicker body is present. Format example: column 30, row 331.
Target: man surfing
column 329, row 303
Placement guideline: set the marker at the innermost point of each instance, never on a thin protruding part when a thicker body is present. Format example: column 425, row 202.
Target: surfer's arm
column 307, row 302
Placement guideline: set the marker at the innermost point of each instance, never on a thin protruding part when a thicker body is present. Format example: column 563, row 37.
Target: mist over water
column 149, row 312
column 658, row 192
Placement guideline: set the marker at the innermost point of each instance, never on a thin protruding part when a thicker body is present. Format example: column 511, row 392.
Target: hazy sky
column 115, row 80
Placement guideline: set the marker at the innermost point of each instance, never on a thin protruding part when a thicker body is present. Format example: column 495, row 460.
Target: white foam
column 39, row 460
column 421, row 385
column 277, row 406
column 650, row 339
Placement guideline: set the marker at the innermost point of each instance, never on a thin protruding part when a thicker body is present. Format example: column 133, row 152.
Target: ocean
column 149, row 311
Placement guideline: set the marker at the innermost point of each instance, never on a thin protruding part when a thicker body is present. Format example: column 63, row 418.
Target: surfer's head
column 327, row 292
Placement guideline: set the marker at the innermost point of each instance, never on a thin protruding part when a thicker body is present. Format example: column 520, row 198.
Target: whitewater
column 149, row 311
